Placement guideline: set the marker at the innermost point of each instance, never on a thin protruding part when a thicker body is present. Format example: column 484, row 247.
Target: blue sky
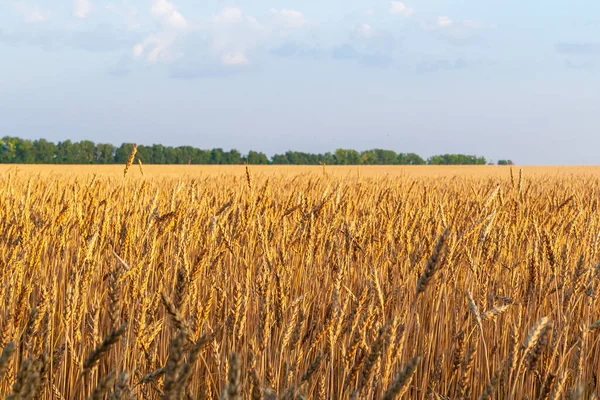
column 509, row 79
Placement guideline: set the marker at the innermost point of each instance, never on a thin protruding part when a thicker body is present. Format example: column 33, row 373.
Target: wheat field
column 291, row 171
column 308, row 283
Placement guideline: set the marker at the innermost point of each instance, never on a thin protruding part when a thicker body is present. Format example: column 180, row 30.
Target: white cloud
column 399, row 8
column 32, row 14
column 228, row 38
column 440, row 22
column 457, row 32
column 138, row 49
column 234, row 36
column 167, row 14
column 228, row 15
column 447, row 23
column 238, row 58
column 157, row 48
column 368, row 45
column 471, row 24
column 290, row 18
column 365, row 31
column 370, row 12
column 129, row 15
column 82, row 8
column 253, row 21
column 444, row 21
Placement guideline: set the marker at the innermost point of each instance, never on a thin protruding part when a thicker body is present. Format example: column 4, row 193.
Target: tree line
column 24, row 151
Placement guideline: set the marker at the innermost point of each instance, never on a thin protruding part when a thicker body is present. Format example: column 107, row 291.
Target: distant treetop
column 23, row 151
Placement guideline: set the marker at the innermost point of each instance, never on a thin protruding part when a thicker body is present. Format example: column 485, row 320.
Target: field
column 299, row 282
column 199, row 171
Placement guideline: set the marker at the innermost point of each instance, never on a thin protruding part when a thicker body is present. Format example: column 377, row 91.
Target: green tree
column 456, row 159
column 17, row 150
column 9, row 150
column 123, row 152
column 217, row 156
column 158, row 154
column 170, row 155
column 202, row 157
column 44, row 151
column 410, row 159
column 505, row 162
column 347, row 157
column 64, row 152
column 254, row 157
column 84, row 152
column 296, row 158
column 279, row 159
column 185, row 154
column 145, row 154
column 233, row 157
column 368, row 157
column 385, row 157
column 24, row 151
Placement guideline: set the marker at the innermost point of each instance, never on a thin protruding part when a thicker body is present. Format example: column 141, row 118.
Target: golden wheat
column 250, row 284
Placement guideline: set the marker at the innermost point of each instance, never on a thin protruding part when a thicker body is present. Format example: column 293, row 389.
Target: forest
column 16, row 150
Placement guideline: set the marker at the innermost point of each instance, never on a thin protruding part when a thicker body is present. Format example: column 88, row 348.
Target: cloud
column 441, row 65
column 102, row 38
column 237, row 58
column 167, row 14
column 586, row 65
column 458, row 33
column 399, row 8
column 122, row 68
column 367, row 46
column 444, row 21
column 229, row 39
column 371, row 40
column 201, row 60
column 348, row 52
column 345, row 52
column 234, row 36
column 376, row 59
column 435, row 66
column 229, row 15
column 365, row 31
column 290, row 48
column 203, row 69
column 226, row 38
column 472, row 24
column 32, row 14
column 440, row 22
column 82, row 8
column 290, row 18
column 158, row 46
column 294, row 48
column 129, row 15
column 578, row 48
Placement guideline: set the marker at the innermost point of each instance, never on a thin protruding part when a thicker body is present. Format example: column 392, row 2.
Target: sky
column 508, row 79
